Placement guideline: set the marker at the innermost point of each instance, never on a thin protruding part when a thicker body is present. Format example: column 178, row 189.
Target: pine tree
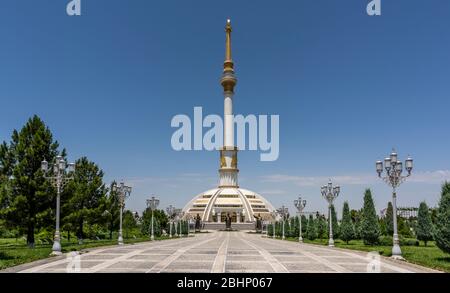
column 111, row 209
column 30, row 201
column 347, row 229
column 311, row 231
column 424, row 229
column 88, row 194
column 442, row 234
column 370, row 230
column 389, row 220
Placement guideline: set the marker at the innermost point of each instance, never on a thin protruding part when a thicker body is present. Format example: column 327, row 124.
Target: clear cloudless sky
column 348, row 88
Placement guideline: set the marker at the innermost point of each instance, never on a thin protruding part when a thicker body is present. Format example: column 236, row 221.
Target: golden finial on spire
column 228, row 31
column 228, row 80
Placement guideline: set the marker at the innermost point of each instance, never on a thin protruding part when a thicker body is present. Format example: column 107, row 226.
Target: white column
column 228, row 130
column 219, row 220
column 238, row 217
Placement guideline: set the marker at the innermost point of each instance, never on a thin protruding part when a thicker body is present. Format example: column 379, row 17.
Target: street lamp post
column 300, row 205
column 123, row 192
column 330, row 193
column 274, row 216
column 181, row 214
column 178, row 213
column 170, row 211
column 59, row 176
column 394, row 178
column 283, row 211
column 152, row 204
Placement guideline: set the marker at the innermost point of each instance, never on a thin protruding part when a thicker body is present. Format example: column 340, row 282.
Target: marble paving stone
column 233, row 252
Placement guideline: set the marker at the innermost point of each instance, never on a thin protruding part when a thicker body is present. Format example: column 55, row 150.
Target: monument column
column 228, row 154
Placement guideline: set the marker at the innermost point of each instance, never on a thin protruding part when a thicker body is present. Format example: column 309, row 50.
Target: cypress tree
column 370, row 230
column 311, row 231
column 424, row 229
column 321, row 226
column 334, row 223
column 304, row 224
column 347, row 230
column 389, row 220
column 442, row 234
column 356, row 219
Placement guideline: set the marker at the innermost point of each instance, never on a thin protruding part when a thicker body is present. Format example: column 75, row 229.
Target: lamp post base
column 152, row 238
column 397, row 252
column 300, row 239
column 56, row 248
column 120, row 240
column 331, row 243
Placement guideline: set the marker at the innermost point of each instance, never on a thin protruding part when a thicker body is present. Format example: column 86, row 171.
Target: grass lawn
column 14, row 252
column 430, row 256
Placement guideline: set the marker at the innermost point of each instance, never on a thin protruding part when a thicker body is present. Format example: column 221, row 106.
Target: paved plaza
column 218, row 252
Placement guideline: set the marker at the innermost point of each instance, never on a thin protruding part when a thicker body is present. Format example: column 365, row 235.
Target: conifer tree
column 424, row 229
column 334, row 223
column 311, row 231
column 304, row 224
column 321, row 226
column 389, row 220
column 347, row 229
column 370, row 230
column 442, row 234
column 30, row 199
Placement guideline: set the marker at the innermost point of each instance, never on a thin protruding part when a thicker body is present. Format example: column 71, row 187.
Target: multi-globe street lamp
column 283, row 212
column 59, row 176
column 394, row 178
column 330, row 193
column 170, row 212
column 152, row 204
column 300, row 205
column 123, row 192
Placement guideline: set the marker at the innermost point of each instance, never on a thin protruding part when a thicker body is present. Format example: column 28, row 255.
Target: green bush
column 386, row 240
column 408, row 242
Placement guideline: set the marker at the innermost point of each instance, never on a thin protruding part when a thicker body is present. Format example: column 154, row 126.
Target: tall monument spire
column 216, row 205
column 228, row 154
column 228, row 64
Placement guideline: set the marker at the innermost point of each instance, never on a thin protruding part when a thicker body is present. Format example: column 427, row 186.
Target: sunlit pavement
column 220, row 252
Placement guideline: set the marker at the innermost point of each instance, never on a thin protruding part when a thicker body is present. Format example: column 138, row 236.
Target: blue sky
column 348, row 88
